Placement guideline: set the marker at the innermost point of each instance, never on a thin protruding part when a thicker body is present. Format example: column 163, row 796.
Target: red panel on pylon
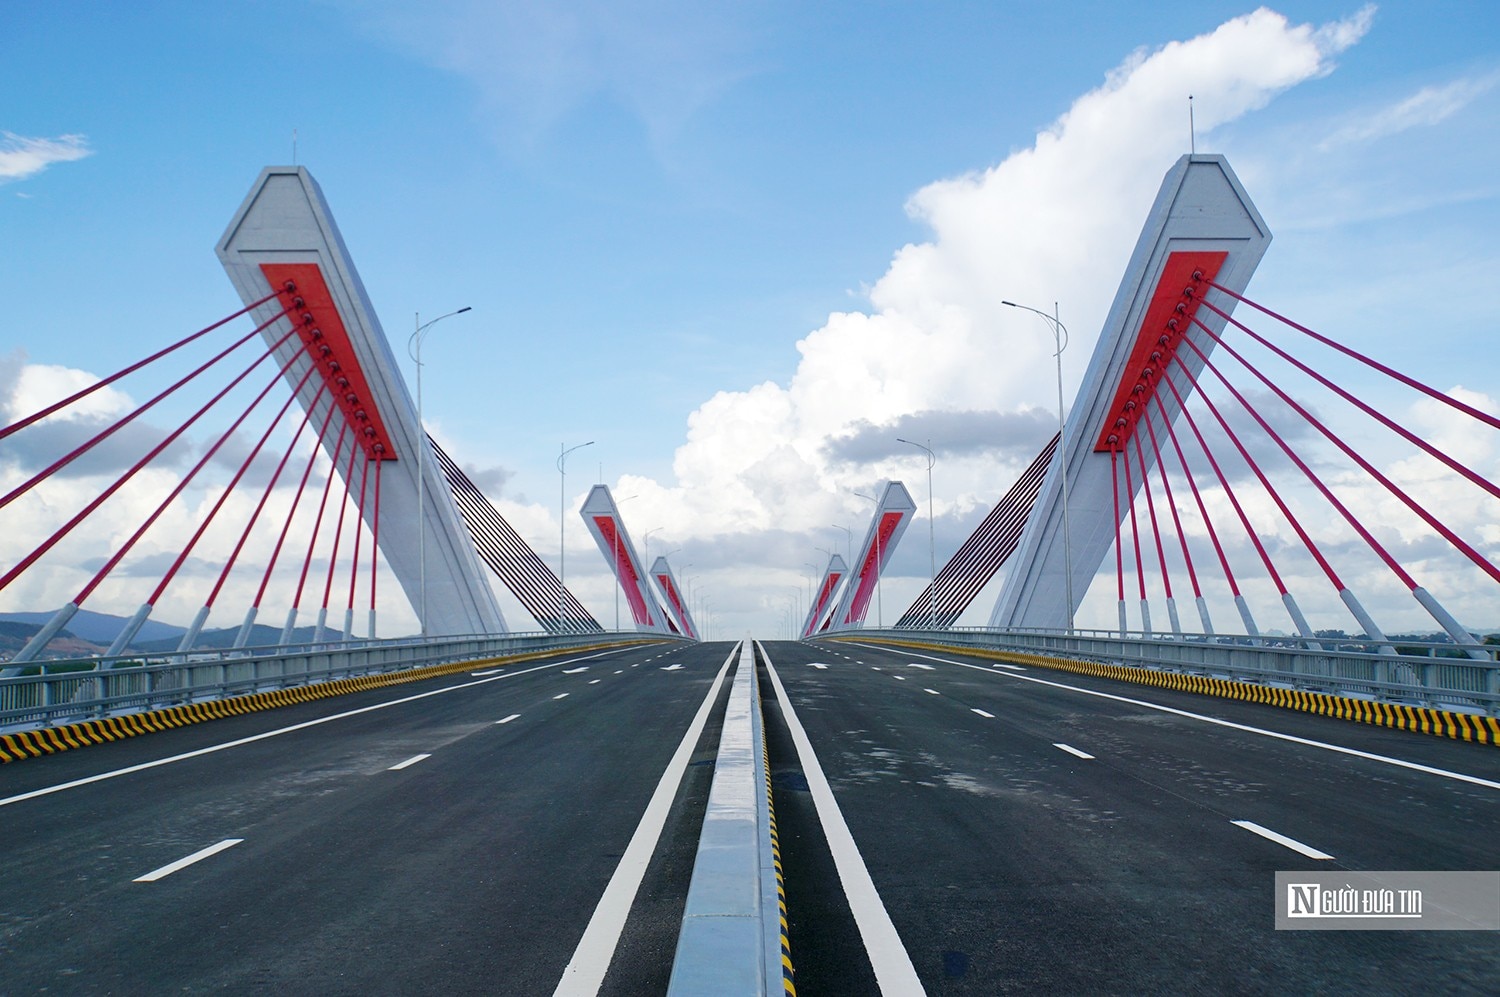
column 1160, row 334
column 327, row 343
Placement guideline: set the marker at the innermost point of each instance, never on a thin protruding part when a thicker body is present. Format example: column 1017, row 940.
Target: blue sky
column 648, row 205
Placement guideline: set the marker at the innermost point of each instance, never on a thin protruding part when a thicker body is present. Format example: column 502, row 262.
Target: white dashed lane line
column 987, row 716
column 594, row 681
column 932, row 692
column 183, row 863
column 408, row 763
column 513, row 716
column 1073, row 751
column 1281, row 839
column 561, row 695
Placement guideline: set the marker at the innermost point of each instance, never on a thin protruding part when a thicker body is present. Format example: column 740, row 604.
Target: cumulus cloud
column 22, row 157
column 936, row 354
column 947, row 433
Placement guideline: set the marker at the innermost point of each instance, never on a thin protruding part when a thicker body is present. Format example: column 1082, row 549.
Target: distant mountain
column 15, row 635
column 100, row 628
column 219, row 640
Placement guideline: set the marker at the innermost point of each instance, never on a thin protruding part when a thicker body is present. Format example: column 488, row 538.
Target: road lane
column 475, row 869
column 1007, row 863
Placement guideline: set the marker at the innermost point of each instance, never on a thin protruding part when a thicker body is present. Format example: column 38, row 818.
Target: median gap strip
column 585, row 971
column 732, row 938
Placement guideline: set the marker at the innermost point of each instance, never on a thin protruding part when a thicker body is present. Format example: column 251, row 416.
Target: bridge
column 856, row 808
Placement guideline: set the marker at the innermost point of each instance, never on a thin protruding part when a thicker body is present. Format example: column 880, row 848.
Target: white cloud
column 536, row 61
column 1052, row 222
column 22, row 157
column 1428, row 106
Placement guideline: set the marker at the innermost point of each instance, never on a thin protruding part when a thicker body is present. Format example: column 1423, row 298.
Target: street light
column 1060, row 339
column 931, row 545
column 879, row 591
column 562, row 524
column 414, row 350
column 646, row 539
column 848, row 541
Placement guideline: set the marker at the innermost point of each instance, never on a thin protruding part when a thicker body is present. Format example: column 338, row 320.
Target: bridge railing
column 1420, row 673
column 63, row 691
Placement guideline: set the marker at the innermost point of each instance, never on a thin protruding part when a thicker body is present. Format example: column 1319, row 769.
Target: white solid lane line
column 1073, row 751
column 987, row 716
column 1307, row 742
column 408, row 763
column 513, row 716
column 584, row 973
column 183, row 863
column 894, row 971
column 1281, row 839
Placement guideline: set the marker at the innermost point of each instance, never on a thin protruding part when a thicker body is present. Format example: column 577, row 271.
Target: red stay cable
column 270, row 485
column 176, row 491
column 1213, row 534
column 1161, row 469
column 338, row 532
column 111, row 379
column 1234, row 500
column 1307, row 540
column 47, row 545
column 1410, row 382
column 1161, row 555
column 1473, row 476
column 68, row 458
column 322, row 508
column 296, row 503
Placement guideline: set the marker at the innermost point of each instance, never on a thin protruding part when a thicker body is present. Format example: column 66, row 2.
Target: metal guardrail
column 65, row 691
column 1419, row 674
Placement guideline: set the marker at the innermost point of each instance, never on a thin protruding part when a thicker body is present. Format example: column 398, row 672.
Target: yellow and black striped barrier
column 788, row 974
column 1424, row 719
column 50, row 740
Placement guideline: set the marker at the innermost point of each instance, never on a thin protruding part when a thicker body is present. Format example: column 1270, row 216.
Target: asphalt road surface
column 449, row 836
column 1009, row 863
column 532, row 830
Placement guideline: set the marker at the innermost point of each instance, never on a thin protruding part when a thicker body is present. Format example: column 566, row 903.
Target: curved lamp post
column 414, row 350
column 562, row 524
column 1060, row 339
column 931, row 545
